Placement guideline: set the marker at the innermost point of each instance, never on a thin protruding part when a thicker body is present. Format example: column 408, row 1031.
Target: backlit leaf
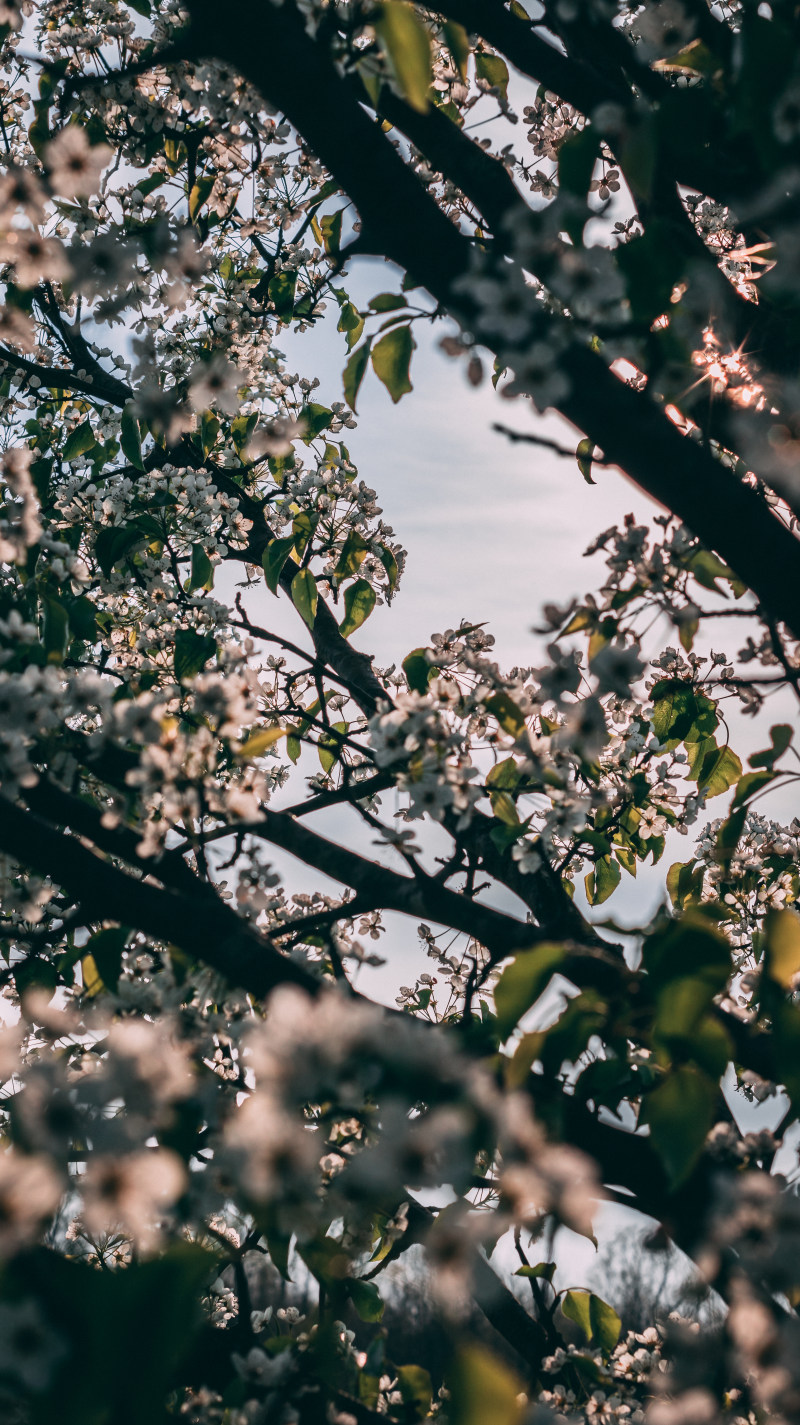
column 391, row 359
column 304, row 595
column 353, row 373
column 273, row 559
column 359, row 601
column 522, row 982
column 408, row 46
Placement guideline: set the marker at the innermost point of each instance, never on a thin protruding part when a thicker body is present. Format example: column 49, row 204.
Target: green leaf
column 602, row 881
column 241, row 430
column 391, row 357
column 686, row 947
column 96, row 1316
column 388, row 302
column 359, row 601
column 303, row 526
column 55, row 629
column 353, row 373
column 782, row 947
column 351, row 322
column 504, row 808
column 202, row 570
column 599, row 1321
column 315, row 419
column 259, row 742
column 278, row 1245
column 408, row 45
column 494, row 70
column 457, row 41
column 522, row 982
column 416, row 1389
column 328, row 748
column 576, row 160
column 304, row 595
column 681, row 713
column 483, row 1389
column 780, row 737
column 113, row 543
column 504, row 776
column 192, row 652
column 684, row 883
column 583, row 455
column 366, row 1299
column 130, row 438
column 680, row 1113
column 83, row 619
column 508, row 714
column 79, row 441
column 418, row 670
column 390, row 565
column 330, row 227
column 543, row 1271
column 198, row 196
column 106, row 949
column 354, row 552
column 273, row 559
column 281, row 294
column 720, row 769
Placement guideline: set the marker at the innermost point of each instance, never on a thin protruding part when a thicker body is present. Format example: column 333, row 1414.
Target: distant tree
column 194, row 1080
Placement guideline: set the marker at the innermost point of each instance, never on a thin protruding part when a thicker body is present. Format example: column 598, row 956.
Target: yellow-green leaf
column 130, row 438
column 304, row 595
column 458, row 45
column 408, row 46
column 522, row 982
column 583, row 455
column 359, row 601
column 259, row 742
column 391, row 359
column 483, row 1389
column 79, row 441
column 274, row 558
column 494, row 70
column 596, row 1318
column 680, row 1113
column 353, row 373
column 782, row 953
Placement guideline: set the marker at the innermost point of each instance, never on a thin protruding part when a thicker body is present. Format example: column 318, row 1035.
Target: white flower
column 29, row 1192
column 615, row 667
column 527, row 855
column 651, row 824
column 35, row 258
column 73, row 165
column 214, row 383
column 537, row 374
column 17, row 329
column 663, row 28
column 102, row 265
column 19, row 188
column 131, row 1192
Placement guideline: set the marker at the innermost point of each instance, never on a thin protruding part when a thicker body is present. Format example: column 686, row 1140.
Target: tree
column 192, row 1080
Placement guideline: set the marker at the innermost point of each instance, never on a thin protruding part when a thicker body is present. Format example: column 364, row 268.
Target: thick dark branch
column 206, row 929
column 59, row 378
